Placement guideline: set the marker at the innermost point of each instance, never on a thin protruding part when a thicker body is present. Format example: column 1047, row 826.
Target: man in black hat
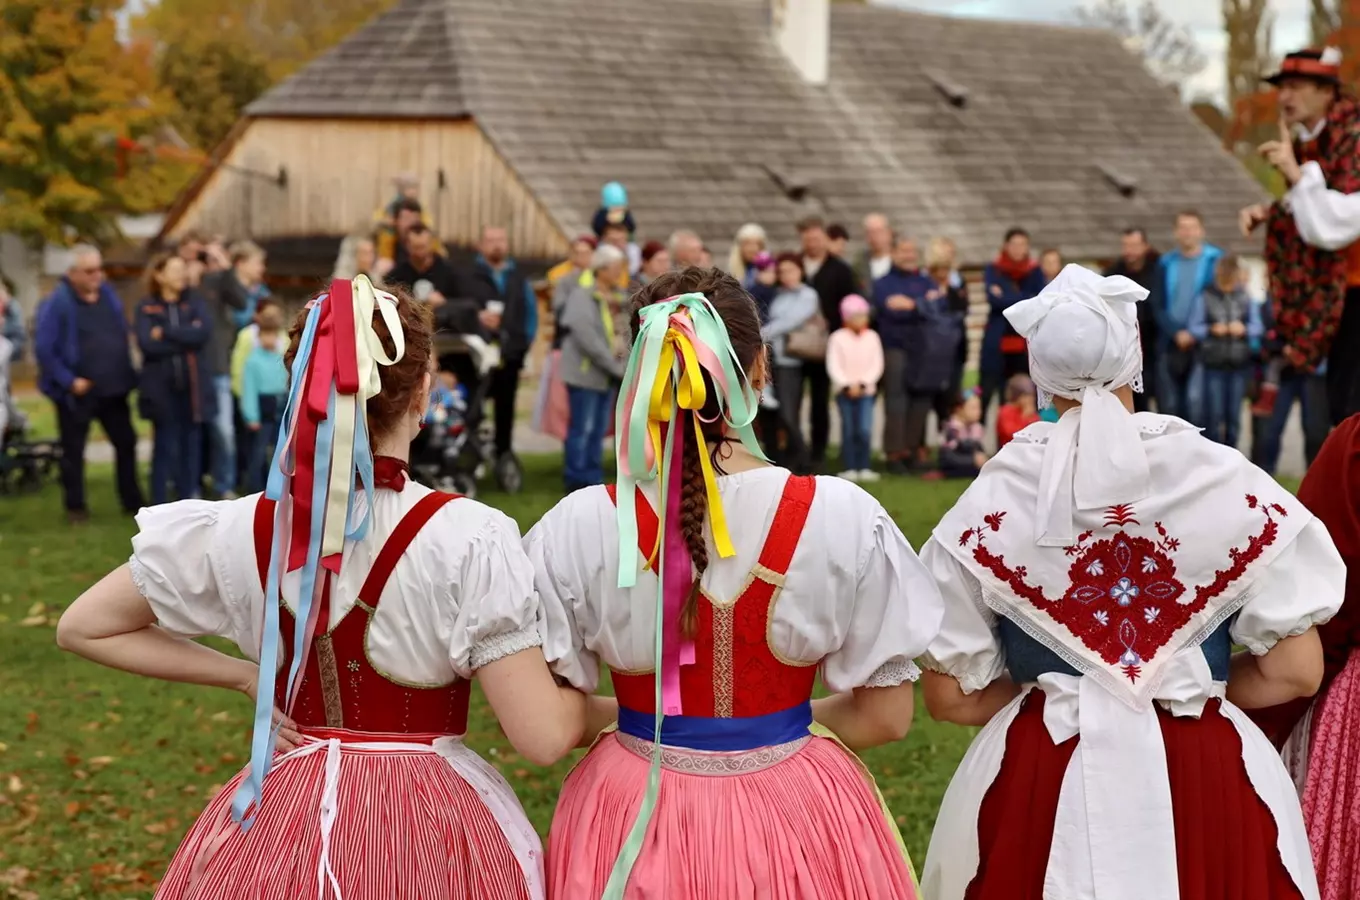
column 1313, row 233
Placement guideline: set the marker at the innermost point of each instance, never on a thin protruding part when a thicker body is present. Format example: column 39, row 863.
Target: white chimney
column 802, row 29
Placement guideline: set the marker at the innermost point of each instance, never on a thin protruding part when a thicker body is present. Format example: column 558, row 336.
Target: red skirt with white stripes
column 408, row 823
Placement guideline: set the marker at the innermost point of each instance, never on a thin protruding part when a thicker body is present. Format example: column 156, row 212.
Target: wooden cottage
column 714, row 114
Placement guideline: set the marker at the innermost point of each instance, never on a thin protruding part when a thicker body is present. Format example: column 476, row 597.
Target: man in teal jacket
column 1187, row 271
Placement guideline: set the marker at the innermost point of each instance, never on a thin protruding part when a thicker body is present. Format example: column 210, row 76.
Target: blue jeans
column 261, row 443
column 1183, row 398
column 223, row 429
column 1310, row 391
column 1224, row 390
column 584, row 463
column 176, row 457
column 857, row 420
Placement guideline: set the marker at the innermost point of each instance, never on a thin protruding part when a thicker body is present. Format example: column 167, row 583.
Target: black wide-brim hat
column 1323, row 66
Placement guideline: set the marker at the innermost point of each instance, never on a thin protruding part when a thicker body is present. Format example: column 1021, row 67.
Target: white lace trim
column 140, row 576
column 1147, row 423
column 499, row 646
column 1046, row 397
column 707, row 762
column 893, row 673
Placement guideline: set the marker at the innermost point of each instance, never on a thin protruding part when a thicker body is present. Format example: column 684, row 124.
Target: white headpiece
column 1083, row 344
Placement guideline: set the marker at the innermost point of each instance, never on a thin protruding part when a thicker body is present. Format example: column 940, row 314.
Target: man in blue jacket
column 1186, row 271
column 85, row 367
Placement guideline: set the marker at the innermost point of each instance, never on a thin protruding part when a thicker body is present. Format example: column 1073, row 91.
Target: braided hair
column 740, row 317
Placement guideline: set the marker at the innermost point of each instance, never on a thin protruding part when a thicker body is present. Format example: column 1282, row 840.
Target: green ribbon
column 738, row 405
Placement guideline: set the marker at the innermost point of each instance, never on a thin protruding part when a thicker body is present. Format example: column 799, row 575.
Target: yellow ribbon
column 691, row 394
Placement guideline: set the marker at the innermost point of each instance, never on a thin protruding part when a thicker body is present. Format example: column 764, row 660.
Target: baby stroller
column 24, row 463
column 457, row 449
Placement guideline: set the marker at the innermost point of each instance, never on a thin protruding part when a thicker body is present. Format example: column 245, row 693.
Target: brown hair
column 1228, row 265
column 738, row 313
column 1190, row 214
column 401, row 383
column 154, row 268
column 270, row 318
column 242, row 250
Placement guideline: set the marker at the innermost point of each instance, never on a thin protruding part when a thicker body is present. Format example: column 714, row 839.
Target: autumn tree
column 69, row 93
column 215, row 56
column 1169, row 49
column 1248, row 25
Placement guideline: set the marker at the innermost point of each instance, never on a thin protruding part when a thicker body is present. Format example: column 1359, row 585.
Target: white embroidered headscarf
column 1083, row 344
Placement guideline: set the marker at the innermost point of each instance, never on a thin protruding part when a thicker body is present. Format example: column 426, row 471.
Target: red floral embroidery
column 1124, row 600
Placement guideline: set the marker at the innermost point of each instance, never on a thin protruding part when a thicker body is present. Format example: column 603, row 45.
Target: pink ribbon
column 677, row 580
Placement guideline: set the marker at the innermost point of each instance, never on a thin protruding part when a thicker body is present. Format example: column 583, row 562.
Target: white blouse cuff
column 499, row 646
column 892, row 673
column 971, row 680
column 1260, row 646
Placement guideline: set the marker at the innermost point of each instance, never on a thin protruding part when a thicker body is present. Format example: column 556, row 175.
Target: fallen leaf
column 203, row 769
column 189, row 789
column 72, row 809
column 156, row 828
column 33, row 621
column 15, row 785
column 99, row 762
column 3, row 746
column 80, row 774
column 150, row 794
column 113, row 716
column 37, row 609
column 32, row 724
column 14, row 876
column 71, row 759
column 230, row 758
column 221, row 716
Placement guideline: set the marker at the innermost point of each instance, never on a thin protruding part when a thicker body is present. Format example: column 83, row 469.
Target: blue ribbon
column 264, row 733
column 701, row 733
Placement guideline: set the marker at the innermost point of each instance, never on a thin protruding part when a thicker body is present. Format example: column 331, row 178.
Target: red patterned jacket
column 1308, row 284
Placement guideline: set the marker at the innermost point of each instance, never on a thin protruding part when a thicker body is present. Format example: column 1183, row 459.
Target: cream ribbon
column 1103, row 464
column 1128, row 844
column 370, row 354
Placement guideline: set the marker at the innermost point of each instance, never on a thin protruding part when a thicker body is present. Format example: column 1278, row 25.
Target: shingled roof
column 399, row 65
column 951, row 126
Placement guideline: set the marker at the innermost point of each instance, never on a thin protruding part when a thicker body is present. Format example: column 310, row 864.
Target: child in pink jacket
column 854, row 362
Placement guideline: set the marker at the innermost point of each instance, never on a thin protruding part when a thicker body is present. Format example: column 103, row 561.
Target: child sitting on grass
column 1020, row 410
column 961, row 451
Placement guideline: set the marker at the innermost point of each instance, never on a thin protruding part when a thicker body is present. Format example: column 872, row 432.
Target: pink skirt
column 409, row 824
column 1331, row 797
column 797, row 822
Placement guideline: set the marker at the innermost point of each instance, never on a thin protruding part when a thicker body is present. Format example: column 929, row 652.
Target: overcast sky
column 1204, row 17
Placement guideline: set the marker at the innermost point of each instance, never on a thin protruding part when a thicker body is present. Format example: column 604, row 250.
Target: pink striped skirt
column 794, row 822
column 365, row 817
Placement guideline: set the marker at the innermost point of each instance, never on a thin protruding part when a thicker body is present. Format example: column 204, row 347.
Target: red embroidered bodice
column 340, row 686
column 732, row 645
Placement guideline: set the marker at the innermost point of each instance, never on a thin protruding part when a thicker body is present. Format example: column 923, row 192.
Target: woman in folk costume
column 1323, row 746
column 1096, row 576
column 716, row 587
column 369, row 602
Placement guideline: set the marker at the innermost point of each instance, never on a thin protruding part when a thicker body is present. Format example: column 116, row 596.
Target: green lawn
column 101, row 773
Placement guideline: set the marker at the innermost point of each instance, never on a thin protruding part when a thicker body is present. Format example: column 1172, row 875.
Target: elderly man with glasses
column 85, row 368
